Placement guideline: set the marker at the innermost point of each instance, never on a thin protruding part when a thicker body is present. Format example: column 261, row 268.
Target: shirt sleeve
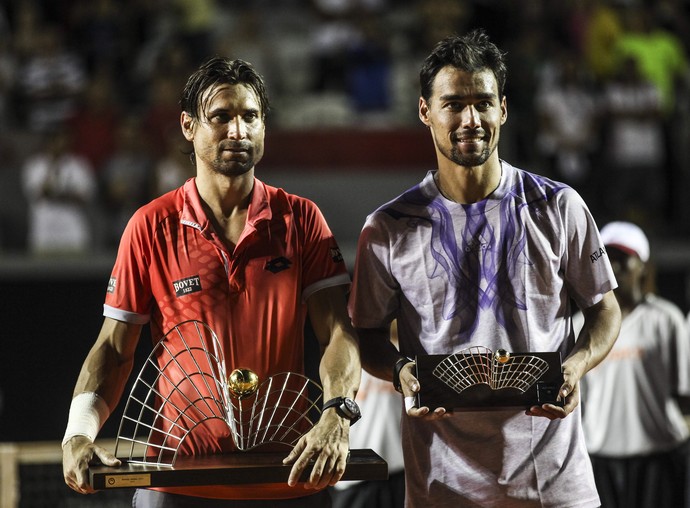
column 322, row 261
column 374, row 298
column 129, row 295
column 587, row 269
column 680, row 352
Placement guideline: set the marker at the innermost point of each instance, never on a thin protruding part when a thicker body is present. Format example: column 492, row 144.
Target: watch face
column 351, row 406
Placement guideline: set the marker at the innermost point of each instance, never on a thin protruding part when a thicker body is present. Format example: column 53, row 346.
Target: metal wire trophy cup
column 476, row 378
column 184, row 384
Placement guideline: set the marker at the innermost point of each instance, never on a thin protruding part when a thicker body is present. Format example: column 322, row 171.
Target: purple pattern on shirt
column 483, row 268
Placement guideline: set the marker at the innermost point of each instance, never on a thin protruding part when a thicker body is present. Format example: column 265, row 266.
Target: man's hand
column 76, row 456
column 410, row 388
column 328, row 444
column 569, row 393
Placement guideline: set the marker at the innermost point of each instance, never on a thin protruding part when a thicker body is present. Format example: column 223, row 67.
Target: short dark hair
column 220, row 70
column 472, row 52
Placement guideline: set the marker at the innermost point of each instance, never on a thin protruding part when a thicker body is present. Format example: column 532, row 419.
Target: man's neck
column 225, row 195
column 467, row 185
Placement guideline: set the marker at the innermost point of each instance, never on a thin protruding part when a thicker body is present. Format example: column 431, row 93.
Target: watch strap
column 402, row 361
column 338, row 403
column 334, row 402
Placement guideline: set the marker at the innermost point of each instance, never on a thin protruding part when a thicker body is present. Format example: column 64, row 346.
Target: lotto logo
column 336, row 255
column 278, row 264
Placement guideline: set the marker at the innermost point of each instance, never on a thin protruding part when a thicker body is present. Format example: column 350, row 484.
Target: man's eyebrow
column 460, row 97
column 220, row 110
column 216, row 110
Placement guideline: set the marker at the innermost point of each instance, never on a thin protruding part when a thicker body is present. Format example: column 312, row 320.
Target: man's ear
column 504, row 110
column 424, row 111
column 187, row 123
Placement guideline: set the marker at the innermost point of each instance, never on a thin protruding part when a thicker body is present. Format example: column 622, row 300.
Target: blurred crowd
column 599, row 96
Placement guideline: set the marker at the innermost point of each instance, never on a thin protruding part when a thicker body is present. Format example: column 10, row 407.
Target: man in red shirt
column 247, row 259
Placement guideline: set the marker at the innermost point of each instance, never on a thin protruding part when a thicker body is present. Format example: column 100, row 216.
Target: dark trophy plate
column 477, row 379
column 234, row 469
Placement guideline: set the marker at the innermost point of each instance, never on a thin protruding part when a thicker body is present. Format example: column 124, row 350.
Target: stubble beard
column 222, row 166
column 233, row 168
column 469, row 160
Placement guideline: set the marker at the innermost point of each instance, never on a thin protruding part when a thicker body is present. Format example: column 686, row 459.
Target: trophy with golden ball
column 184, row 386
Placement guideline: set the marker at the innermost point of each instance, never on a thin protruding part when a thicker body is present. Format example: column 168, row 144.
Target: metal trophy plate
column 478, row 379
column 184, row 385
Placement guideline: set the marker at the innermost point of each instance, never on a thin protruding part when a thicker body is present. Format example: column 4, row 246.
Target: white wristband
column 87, row 414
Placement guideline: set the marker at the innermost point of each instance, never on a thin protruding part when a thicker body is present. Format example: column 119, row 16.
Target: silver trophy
column 477, row 378
column 184, row 383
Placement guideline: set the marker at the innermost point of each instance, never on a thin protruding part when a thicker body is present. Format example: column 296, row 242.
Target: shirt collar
column 193, row 213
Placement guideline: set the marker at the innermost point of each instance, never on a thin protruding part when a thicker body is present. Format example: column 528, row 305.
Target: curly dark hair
column 471, row 53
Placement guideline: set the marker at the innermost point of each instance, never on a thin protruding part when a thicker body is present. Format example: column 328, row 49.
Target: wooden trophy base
column 231, row 469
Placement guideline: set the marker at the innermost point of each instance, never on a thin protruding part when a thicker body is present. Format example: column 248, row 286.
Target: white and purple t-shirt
column 500, row 273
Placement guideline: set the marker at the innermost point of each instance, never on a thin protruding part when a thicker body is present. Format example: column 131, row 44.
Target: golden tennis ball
column 242, row 382
column 502, row 356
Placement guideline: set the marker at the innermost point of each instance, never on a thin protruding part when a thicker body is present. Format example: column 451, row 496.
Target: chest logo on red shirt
column 278, row 264
column 187, row 286
column 336, row 255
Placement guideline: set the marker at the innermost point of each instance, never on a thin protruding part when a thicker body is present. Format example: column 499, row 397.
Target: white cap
column 627, row 237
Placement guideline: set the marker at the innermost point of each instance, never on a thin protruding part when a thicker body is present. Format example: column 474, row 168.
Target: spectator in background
column 601, row 30
column 195, row 26
column 659, row 53
column 100, row 31
column 334, row 34
column 350, row 53
column 96, row 121
column 663, row 61
column 634, row 427
column 49, row 81
column 172, row 168
column 161, row 113
column 567, row 122
column 369, row 67
column 59, row 187
column 125, row 179
column 634, row 147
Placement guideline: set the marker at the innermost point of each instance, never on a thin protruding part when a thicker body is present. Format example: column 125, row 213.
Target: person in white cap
column 634, row 427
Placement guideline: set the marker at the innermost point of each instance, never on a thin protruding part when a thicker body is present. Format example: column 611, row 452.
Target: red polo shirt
column 172, row 267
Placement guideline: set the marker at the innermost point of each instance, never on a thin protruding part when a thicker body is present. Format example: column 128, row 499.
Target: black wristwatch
column 345, row 407
column 402, row 361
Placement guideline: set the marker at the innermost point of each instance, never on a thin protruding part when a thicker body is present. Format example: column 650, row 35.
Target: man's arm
column 378, row 352
column 381, row 358
column 340, row 370
column 599, row 333
column 104, row 373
